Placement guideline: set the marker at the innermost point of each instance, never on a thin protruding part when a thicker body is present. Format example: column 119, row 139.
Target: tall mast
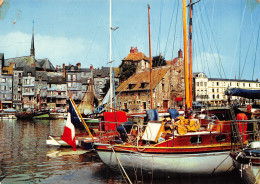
column 150, row 58
column 110, row 46
column 187, row 96
column 190, row 52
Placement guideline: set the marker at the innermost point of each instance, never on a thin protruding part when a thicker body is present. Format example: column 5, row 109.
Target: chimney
column 256, row 79
column 180, row 54
column 133, row 50
column 78, row 65
column 64, row 72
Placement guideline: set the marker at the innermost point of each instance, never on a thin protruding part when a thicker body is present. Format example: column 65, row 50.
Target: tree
column 159, row 61
column 127, row 71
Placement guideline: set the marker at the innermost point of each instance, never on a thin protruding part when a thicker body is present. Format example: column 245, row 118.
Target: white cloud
column 212, row 64
column 58, row 49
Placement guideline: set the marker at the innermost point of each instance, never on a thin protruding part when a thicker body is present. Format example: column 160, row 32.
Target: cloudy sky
column 225, row 32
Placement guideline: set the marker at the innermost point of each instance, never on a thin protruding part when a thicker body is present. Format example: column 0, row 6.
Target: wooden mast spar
column 190, row 49
column 186, row 71
column 190, row 52
column 150, row 58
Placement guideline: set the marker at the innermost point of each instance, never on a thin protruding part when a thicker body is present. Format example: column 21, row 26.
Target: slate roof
column 29, row 69
column 105, row 72
column 143, row 77
column 20, row 61
column 56, row 80
column 44, row 64
column 43, row 74
column 136, row 57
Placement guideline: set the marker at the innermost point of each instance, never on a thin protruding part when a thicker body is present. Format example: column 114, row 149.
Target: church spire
column 32, row 43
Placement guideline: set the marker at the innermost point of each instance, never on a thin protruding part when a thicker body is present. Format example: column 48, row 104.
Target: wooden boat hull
column 180, row 163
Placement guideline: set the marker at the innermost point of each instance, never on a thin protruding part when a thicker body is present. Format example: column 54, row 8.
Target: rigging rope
column 121, row 165
column 221, row 66
column 174, row 34
column 256, row 52
column 237, row 41
column 167, row 39
column 210, row 47
column 248, row 48
column 159, row 33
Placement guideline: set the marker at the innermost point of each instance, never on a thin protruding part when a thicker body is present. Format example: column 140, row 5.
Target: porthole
column 221, row 138
column 195, row 140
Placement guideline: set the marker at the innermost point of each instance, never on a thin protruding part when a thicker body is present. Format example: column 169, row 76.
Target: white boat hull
column 202, row 163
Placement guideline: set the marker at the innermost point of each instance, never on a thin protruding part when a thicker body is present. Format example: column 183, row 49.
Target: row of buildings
column 27, row 82
column 168, row 86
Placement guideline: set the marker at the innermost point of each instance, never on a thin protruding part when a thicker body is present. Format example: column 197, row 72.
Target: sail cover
column 246, row 93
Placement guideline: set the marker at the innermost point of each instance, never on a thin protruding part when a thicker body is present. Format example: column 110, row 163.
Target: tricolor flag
column 69, row 133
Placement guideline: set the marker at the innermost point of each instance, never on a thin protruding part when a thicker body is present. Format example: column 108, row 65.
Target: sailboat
column 179, row 146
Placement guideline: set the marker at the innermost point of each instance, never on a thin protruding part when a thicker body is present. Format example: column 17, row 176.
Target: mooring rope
column 118, row 161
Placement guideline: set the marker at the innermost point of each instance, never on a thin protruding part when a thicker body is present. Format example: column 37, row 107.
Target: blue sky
column 225, row 32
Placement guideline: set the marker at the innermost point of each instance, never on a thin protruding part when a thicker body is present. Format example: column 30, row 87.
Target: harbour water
column 25, row 158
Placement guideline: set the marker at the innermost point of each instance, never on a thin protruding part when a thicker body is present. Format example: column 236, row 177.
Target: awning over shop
column 178, row 98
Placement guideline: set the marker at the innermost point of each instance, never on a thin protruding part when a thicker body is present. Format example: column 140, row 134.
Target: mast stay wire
column 239, row 35
column 175, row 28
column 202, row 57
column 251, row 40
column 115, row 43
column 159, row 33
column 256, row 52
column 210, row 47
column 220, row 63
column 94, row 37
column 171, row 21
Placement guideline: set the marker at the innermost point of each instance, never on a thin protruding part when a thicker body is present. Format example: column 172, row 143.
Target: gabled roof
column 137, row 79
column 136, row 57
column 44, row 64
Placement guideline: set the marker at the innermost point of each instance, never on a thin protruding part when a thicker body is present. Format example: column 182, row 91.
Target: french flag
column 69, row 133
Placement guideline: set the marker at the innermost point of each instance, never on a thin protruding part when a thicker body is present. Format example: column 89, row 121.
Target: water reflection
column 25, row 158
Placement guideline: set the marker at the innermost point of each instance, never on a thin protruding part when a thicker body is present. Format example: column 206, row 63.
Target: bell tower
column 32, row 43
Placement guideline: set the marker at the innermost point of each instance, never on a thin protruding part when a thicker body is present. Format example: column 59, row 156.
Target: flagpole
column 83, row 121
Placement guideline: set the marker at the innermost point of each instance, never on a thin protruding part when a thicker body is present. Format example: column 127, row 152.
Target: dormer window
column 143, row 85
column 29, row 74
column 131, row 86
